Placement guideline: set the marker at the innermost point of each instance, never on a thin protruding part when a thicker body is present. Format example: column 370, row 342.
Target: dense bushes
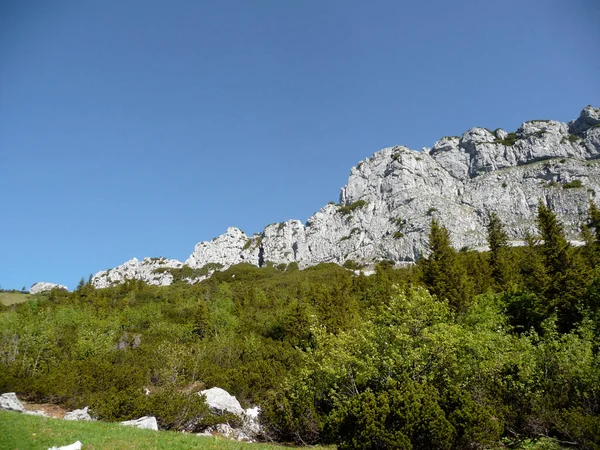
column 463, row 350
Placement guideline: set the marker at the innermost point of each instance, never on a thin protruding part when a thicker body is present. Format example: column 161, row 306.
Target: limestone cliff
column 386, row 207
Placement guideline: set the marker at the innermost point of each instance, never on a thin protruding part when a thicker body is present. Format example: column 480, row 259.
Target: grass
column 24, row 432
column 12, row 298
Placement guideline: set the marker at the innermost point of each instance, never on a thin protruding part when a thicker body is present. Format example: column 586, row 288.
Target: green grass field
column 11, row 298
column 23, row 432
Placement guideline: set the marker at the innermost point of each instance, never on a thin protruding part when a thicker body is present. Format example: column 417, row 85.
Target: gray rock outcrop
column 43, row 286
column 385, row 209
column 150, row 270
column 227, row 431
column 78, row 414
column 146, row 422
column 10, row 402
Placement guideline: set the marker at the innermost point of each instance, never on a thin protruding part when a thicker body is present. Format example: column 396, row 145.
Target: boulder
column 78, row 414
column 219, row 400
column 146, row 422
column 10, row 402
column 222, row 401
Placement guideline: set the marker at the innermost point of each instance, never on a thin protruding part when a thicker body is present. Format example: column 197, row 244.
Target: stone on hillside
column 146, row 422
column 251, row 425
column 10, row 402
column 227, row 431
column 220, row 400
column 43, row 286
column 78, row 414
column 36, row 413
column 75, row 446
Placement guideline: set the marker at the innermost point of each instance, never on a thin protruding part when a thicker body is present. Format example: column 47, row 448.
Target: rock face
column 386, row 207
column 45, row 286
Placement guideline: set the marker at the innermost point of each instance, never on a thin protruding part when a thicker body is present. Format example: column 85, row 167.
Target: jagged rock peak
column 150, row 270
column 589, row 118
column 387, row 204
column 43, row 286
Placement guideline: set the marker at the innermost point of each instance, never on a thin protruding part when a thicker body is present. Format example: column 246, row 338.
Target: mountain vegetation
column 465, row 349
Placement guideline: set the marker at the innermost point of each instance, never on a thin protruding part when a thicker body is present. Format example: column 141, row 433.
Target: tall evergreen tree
column 594, row 220
column 442, row 272
column 590, row 232
column 499, row 260
column 565, row 288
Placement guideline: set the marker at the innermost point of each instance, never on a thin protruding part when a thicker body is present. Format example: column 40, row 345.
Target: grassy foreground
column 11, row 298
column 23, row 432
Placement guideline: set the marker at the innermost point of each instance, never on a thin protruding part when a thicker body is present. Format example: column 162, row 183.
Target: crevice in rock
column 261, row 255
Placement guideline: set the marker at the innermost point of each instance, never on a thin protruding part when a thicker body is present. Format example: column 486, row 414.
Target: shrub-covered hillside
column 465, row 349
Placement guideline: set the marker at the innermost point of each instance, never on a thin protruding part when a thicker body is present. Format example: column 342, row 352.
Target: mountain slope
column 386, row 206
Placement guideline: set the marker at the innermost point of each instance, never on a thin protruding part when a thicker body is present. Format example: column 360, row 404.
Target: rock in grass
column 36, row 413
column 146, row 422
column 78, row 414
column 75, row 446
column 10, row 402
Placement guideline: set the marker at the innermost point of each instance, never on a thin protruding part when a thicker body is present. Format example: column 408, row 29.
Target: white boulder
column 221, row 400
column 146, row 422
column 10, row 402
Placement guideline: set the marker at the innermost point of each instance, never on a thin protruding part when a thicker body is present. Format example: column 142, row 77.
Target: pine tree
column 594, row 220
column 498, row 243
column 590, row 232
column 555, row 247
column 442, row 272
column 565, row 289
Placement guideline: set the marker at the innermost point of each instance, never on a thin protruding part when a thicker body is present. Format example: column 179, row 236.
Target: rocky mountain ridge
column 387, row 204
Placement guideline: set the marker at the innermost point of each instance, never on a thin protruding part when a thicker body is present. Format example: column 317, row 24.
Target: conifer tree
column 594, row 220
column 498, row 243
column 590, row 232
column 565, row 288
column 442, row 272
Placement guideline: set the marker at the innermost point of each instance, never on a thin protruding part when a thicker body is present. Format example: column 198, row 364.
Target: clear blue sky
column 140, row 127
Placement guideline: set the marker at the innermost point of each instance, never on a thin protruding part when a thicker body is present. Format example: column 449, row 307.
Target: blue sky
column 140, row 127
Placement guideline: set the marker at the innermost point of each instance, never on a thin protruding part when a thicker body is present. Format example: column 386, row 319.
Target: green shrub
column 347, row 209
column 405, row 415
column 573, row 184
column 509, row 140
